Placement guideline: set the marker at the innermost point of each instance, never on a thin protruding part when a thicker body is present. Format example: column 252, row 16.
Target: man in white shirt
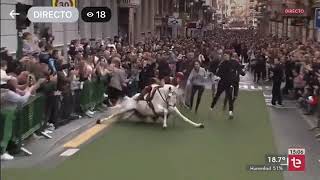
column 4, row 76
column 10, row 98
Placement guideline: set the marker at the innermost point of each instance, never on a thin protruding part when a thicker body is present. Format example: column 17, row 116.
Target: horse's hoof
column 164, row 127
column 99, row 121
column 201, row 126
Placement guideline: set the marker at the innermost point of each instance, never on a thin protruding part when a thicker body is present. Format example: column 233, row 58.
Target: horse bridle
column 165, row 99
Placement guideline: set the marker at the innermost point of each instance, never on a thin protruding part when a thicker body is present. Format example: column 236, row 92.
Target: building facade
column 77, row 30
column 293, row 19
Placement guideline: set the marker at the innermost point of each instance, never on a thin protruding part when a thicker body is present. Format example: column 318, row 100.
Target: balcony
column 128, row 3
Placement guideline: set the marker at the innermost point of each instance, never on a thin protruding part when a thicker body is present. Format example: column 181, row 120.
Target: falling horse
column 161, row 101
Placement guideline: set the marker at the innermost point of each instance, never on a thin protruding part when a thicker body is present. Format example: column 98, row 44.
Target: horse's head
column 171, row 95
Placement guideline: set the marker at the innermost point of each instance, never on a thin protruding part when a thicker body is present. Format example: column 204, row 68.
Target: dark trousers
column 276, row 93
column 114, row 94
column 76, row 102
column 234, row 91
column 222, row 86
column 195, row 89
column 288, row 87
column 213, row 89
column 53, row 106
column 257, row 75
column 66, row 105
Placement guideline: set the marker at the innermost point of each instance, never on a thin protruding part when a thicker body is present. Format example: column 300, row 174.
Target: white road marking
column 268, row 104
column 267, row 95
column 279, row 107
column 69, row 152
column 246, row 86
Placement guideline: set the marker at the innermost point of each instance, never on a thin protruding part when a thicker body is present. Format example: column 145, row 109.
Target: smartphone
column 30, row 81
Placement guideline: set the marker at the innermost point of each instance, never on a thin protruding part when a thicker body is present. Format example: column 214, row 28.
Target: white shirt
column 197, row 78
column 9, row 97
column 4, row 77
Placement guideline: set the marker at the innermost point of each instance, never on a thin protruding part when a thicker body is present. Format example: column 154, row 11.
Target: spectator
column 29, row 46
column 117, row 82
column 4, row 76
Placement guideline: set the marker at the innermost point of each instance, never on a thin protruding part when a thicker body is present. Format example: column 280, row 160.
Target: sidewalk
column 43, row 148
column 312, row 121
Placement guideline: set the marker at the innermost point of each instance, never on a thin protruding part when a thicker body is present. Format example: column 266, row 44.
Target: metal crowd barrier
column 92, row 93
column 7, row 117
column 19, row 123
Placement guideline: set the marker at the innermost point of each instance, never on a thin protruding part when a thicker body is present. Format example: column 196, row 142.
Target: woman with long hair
column 196, row 79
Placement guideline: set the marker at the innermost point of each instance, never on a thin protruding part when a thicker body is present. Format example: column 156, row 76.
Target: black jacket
column 213, row 66
column 278, row 73
column 229, row 71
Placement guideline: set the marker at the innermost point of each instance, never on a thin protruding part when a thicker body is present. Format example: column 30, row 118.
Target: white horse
column 163, row 101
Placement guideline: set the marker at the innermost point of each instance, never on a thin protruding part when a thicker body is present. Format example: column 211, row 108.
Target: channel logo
column 296, row 159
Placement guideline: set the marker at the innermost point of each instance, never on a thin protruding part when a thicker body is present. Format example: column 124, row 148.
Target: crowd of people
column 292, row 62
column 131, row 68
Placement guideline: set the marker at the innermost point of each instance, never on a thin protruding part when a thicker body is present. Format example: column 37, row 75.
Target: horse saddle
column 147, row 95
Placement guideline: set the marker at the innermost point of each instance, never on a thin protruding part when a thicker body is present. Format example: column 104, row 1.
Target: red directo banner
column 296, row 12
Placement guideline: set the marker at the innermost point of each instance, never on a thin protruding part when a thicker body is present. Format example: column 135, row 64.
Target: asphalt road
column 292, row 129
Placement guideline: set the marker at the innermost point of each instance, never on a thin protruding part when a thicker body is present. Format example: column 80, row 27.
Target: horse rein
column 166, row 98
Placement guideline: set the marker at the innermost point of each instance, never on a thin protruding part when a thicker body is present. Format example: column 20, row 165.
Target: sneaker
column 230, row 115
column 50, row 125
column 280, row 105
column 105, row 95
column 47, row 131
column 273, row 105
column 89, row 114
column 6, row 157
column 51, row 128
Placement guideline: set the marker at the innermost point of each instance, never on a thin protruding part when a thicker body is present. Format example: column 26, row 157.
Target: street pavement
column 290, row 129
column 44, row 149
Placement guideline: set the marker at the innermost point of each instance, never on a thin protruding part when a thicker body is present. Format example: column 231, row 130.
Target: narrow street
column 147, row 90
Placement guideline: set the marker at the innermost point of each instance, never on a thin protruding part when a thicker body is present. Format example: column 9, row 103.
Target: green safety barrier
column 17, row 124
column 92, row 93
column 7, row 118
column 86, row 96
column 29, row 118
column 99, row 90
